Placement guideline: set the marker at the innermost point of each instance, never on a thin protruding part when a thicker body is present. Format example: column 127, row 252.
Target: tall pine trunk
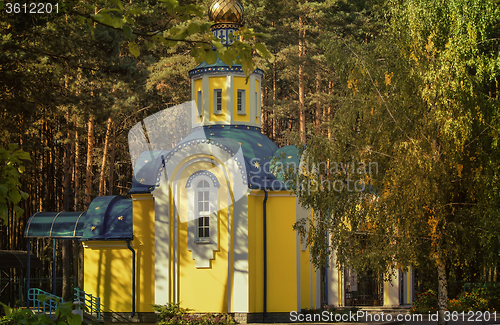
column 88, row 194
column 67, row 285
column 318, row 105
column 102, row 182
column 112, row 160
column 329, row 115
column 302, row 113
column 274, row 122
column 90, row 162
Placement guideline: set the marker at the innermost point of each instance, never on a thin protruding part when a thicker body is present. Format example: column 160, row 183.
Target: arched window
column 202, row 205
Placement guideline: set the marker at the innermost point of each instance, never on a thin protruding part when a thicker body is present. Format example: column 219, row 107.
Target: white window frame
column 240, row 106
column 212, row 213
column 217, row 108
column 202, row 248
column 204, row 214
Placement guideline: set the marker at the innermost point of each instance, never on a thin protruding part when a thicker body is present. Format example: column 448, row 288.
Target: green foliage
column 425, row 302
column 12, row 166
column 480, row 298
column 170, row 310
column 173, row 313
column 420, row 99
column 188, row 27
column 63, row 315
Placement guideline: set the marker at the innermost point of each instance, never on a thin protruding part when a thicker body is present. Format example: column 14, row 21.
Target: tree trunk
column 90, row 162
column 88, row 194
column 102, row 185
column 76, row 171
column 67, row 286
column 329, row 116
column 112, row 161
column 442, row 290
column 274, row 126
column 302, row 113
column 318, row 106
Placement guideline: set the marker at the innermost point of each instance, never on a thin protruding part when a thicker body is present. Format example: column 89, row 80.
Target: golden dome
column 226, row 11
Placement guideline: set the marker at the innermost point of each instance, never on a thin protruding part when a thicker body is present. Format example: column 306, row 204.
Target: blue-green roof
column 55, row 225
column 108, row 218
column 258, row 150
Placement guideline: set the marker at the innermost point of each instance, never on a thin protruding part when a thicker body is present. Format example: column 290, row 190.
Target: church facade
column 208, row 225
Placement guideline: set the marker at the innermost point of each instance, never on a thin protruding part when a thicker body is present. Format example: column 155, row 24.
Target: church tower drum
column 223, row 95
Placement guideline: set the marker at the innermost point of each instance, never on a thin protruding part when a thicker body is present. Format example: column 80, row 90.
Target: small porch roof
column 107, row 218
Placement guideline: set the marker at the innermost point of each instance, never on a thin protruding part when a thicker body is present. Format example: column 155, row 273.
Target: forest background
column 411, row 85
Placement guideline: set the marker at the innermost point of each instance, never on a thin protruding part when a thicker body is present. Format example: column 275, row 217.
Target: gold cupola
column 226, row 12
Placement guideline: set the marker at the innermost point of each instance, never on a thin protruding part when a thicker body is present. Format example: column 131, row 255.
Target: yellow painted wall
column 108, row 275
column 240, row 83
column 255, row 248
column 218, row 83
column 144, row 245
column 204, row 289
column 281, row 253
column 108, row 264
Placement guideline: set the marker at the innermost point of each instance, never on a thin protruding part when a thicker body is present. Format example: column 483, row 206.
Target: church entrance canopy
column 58, row 225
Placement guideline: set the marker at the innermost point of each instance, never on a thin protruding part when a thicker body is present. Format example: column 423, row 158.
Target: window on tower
column 240, row 102
column 200, row 103
column 218, row 101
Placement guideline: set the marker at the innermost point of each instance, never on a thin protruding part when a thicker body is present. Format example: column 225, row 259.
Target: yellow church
column 208, row 225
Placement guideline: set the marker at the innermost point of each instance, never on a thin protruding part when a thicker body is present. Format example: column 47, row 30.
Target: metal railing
column 92, row 304
column 49, row 305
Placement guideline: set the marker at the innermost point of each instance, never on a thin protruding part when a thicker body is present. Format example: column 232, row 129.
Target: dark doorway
column 362, row 289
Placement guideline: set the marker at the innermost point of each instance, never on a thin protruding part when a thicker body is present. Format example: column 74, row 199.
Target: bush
column 474, row 299
column 175, row 314
column 64, row 316
column 478, row 299
column 425, row 302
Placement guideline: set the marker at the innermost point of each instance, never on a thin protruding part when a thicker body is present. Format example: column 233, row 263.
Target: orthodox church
column 208, row 225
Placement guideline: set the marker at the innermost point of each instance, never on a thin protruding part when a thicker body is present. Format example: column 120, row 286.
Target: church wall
column 198, row 86
column 391, row 291
column 258, row 103
column 255, row 249
column 143, row 243
column 108, row 274
column 307, row 271
column 108, row 264
column 205, row 289
column 281, row 252
column 218, row 83
column 240, row 286
column 240, row 83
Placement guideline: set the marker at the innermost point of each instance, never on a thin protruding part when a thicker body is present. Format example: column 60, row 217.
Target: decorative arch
column 206, row 173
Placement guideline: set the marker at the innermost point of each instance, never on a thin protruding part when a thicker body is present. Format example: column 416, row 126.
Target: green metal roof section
column 259, row 152
column 285, row 160
column 108, row 218
column 64, row 225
